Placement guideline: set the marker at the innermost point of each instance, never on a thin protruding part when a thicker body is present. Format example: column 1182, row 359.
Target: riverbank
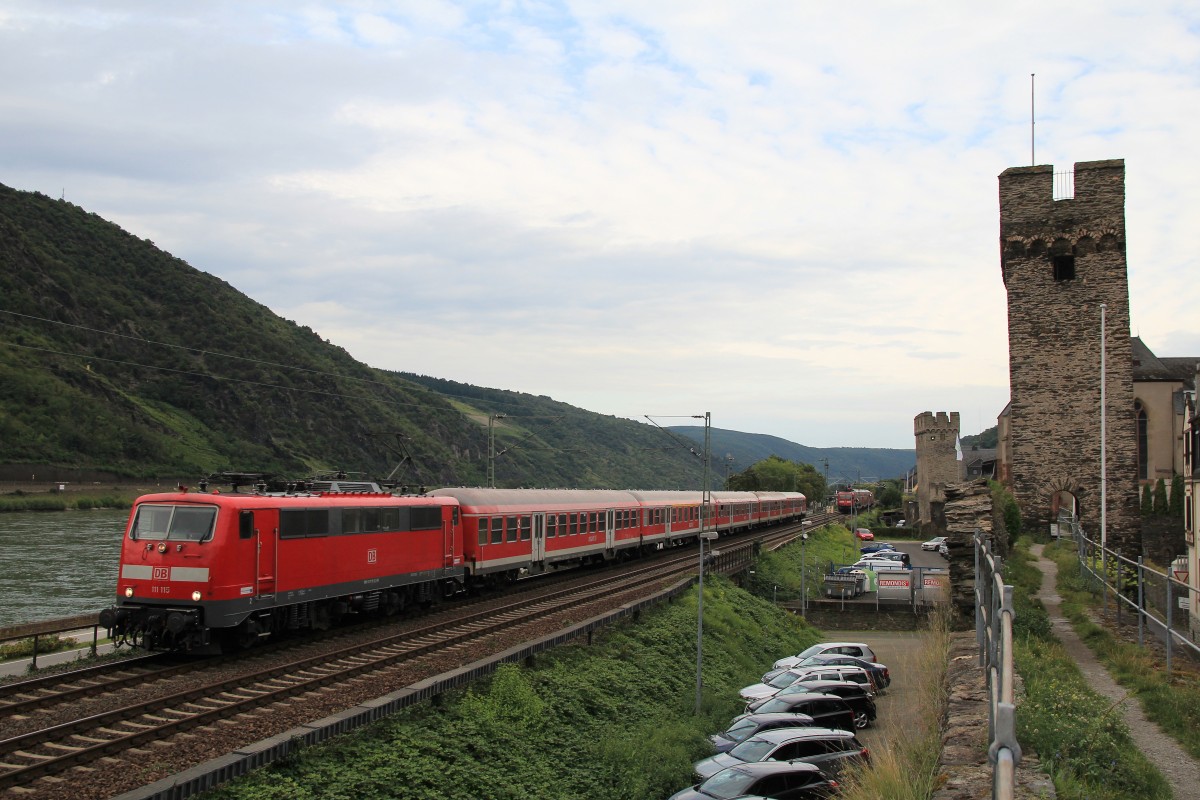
column 71, row 496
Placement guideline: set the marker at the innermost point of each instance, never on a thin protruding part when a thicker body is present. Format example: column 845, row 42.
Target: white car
column 900, row 523
column 761, row 691
column 933, row 543
column 856, row 649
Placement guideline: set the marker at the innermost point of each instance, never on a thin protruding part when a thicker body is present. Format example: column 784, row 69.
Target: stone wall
column 1060, row 261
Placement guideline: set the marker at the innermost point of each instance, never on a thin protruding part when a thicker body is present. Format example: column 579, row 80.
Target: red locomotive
column 202, row 571
column 852, row 501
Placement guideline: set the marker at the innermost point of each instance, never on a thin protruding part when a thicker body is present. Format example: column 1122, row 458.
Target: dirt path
column 1180, row 769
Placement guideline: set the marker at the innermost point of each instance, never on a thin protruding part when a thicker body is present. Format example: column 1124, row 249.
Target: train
column 211, row 571
column 852, row 501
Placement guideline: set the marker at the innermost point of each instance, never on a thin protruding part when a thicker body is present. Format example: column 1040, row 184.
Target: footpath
column 1179, row 768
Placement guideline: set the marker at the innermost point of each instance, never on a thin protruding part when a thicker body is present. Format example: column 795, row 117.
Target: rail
column 994, row 635
column 1150, row 594
column 50, row 627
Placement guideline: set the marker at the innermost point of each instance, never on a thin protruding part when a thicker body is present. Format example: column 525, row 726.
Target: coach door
column 610, row 533
column 538, row 547
column 266, row 534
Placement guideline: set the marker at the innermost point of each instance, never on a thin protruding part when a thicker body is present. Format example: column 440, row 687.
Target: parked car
column 944, row 549
column 876, row 562
column 856, row 649
column 900, row 523
column 780, row 780
column 864, row 534
column 856, row 695
column 933, row 543
column 875, row 547
column 828, row 748
column 826, row 710
column 748, row 725
column 881, row 676
column 785, row 679
column 894, row 555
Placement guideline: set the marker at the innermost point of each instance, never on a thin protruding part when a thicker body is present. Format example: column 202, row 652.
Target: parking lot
column 901, row 651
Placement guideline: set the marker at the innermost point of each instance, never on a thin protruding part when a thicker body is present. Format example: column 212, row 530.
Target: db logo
column 372, row 557
column 162, row 573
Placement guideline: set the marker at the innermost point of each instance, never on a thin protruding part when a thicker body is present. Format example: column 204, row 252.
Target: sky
column 782, row 213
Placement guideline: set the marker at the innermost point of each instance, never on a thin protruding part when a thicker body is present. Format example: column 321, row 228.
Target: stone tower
column 1060, row 260
column 937, row 458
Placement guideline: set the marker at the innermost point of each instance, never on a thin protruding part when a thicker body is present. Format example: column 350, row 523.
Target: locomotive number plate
column 372, row 556
column 162, row 573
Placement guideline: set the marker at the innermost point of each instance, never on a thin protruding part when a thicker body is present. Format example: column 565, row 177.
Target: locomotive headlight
column 196, row 596
column 129, row 591
column 162, row 547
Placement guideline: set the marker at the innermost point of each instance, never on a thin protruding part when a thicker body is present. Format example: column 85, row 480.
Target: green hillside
column 117, row 357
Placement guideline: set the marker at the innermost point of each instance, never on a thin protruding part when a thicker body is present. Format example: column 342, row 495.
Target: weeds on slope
column 1079, row 735
column 1173, row 703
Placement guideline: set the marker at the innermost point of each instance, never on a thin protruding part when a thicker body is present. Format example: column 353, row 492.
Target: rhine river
column 58, row 563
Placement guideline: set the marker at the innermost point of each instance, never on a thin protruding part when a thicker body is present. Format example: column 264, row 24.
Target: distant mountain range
column 733, row 451
column 118, row 358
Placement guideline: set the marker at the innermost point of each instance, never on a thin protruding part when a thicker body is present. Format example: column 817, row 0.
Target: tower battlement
column 941, row 422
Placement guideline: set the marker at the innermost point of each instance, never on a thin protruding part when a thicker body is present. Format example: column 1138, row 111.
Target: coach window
column 497, row 530
column 389, row 519
column 593, row 522
column 370, row 520
column 511, row 531
column 526, row 527
column 483, row 530
column 551, row 525
column 574, row 524
column 351, row 520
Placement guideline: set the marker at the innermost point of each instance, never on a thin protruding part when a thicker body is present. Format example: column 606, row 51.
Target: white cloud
column 782, row 213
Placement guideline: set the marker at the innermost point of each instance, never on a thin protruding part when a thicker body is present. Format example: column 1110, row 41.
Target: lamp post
column 491, row 473
column 705, row 500
column 803, row 570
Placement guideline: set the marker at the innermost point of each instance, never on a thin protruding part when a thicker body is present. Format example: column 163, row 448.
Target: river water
column 58, row 563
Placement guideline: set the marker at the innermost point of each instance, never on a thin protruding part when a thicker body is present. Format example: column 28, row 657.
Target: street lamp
column 803, row 570
column 491, row 472
column 705, row 500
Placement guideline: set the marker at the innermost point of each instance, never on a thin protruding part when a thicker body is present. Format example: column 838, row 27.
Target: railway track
column 74, row 722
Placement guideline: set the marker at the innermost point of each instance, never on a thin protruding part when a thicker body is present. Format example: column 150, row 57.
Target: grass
column 23, row 648
column 64, row 501
column 1082, row 741
column 1172, row 702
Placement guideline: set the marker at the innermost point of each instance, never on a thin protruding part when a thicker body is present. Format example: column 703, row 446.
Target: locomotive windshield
column 177, row 523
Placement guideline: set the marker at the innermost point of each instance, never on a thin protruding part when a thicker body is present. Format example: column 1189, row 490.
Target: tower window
column 1064, row 267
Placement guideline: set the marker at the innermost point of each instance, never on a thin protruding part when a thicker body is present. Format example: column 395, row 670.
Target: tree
column 1176, row 506
column 1160, row 498
column 1147, row 500
column 775, row 474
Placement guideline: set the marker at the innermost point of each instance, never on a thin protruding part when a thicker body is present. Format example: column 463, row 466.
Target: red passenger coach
column 248, row 565
column 201, row 571
column 512, row 533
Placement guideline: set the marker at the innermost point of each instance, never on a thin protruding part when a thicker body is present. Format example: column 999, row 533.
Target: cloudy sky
column 784, row 213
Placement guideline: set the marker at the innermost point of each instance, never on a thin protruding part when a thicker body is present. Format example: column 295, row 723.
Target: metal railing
column 994, row 635
column 1157, row 600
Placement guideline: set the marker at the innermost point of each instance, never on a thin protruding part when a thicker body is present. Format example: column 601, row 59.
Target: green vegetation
column 1082, row 742
column 1006, row 504
column 774, row 474
column 777, row 573
column 23, row 648
column 19, row 501
column 614, row 720
column 1173, row 703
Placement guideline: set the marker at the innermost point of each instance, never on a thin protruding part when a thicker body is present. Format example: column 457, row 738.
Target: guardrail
column 994, row 635
column 36, row 630
column 1156, row 598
